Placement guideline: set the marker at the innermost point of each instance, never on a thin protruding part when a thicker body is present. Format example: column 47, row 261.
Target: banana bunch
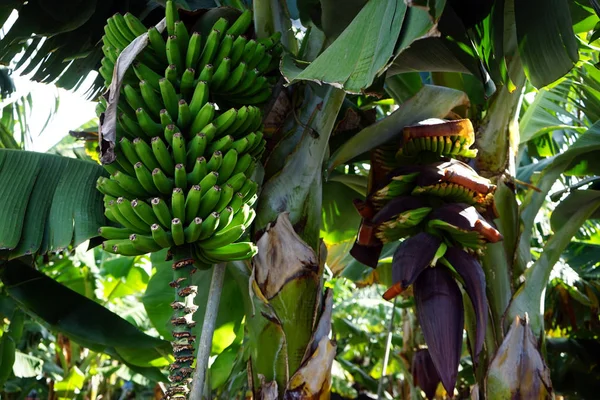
column 183, row 166
column 436, row 205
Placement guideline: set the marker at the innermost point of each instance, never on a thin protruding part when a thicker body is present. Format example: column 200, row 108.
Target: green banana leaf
column 340, row 220
column 548, row 50
column 80, row 318
column 49, row 202
column 361, row 52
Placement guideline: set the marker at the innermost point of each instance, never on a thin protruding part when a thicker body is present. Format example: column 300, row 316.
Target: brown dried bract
column 187, row 291
column 177, row 305
column 178, row 321
column 176, row 283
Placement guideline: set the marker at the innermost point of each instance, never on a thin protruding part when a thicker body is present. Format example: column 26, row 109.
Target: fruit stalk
column 182, row 322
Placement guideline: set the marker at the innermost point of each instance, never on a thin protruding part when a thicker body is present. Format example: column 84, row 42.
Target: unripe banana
column 162, row 182
column 237, row 50
column 162, row 155
column 165, row 119
column 121, row 25
column 131, row 126
column 183, row 36
column 133, row 98
column 187, row 83
column 161, row 237
column 203, row 117
column 184, row 116
column 237, row 202
column 241, row 24
column 144, row 244
column 227, row 167
column 223, row 144
column 215, row 161
column 223, row 238
column 199, row 98
column 109, row 232
column 151, row 98
column 224, row 50
column 209, row 181
column 180, row 177
column 162, row 212
column 227, row 193
column 179, row 150
column 178, row 204
column 206, row 73
column 170, row 131
column 233, row 251
column 144, row 177
column 193, row 51
column 145, row 154
column 209, row 226
column 149, row 127
column 177, row 232
column 222, row 72
column 226, row 216
column 237, row 181
column 129, row 184
column 171, row 74
column 225, row 120
column 134, row 24
column 209, row 201
column 210, row 48
column 242, row 164
column 259, row 53
column 169, row 97
column 198, row 172
column 221, row 25
column 144, row 211
column 235, row 77
column 193, row 230
column 118, row 217
column 126, row 210
column 158, row 44
column 192, row 203
column 171, row 15
column 144, row 73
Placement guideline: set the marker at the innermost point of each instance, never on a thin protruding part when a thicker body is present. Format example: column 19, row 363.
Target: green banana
column 210, row 48
column 196, row 148
column 193, row 50
column 170, row 131
column 237, row 202
column 221, row 25
column 144, row 177
column 144, row 211
column 162, row 155
column 145, row 154
column 224, row 50
column 151, row 99
column 109, row 232
column 126, row 210
column 177, row 232
column 242, row 164
column 171, row 15
column 209, row 181
column 225, row 120
column 221, row 73
column 241, row 24
column 241, row 145
column 162, row 212
column 209, row 200
column 227, row 193
column 129, row 184
column 179, row 150
column 237, row 50
column 237, row 181
column 183, row 36
column 144, row 244
column 162, row 182
column 235, row 77
column 215, row 161
column 118, row 217
column 184, row 116
column 149, row 127
column 171, row 74
column 128, row 150
column 192, row 231
column 160, row 236
column 232, row 252
column 169, row 96
column 133, row 98
column 203, row 117
column 223, row 144
column 121, row 25
column 226, row 216
column 158, row 44
column 257, row 57
column 206, row 73
column 165, row 119
column 199, row 98
column 180, row 177
column 198, row 172
column 223, row 237
column 192, row 203
column 134, row 24
column 144, row 73
column 187, row 82
column 228, row 165
column 178, row 204
column 209, row 226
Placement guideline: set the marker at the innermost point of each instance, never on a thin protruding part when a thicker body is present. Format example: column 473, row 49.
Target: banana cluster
column 455, row 140
column 183, row 166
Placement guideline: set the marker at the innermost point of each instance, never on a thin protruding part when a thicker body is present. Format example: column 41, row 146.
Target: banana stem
column 388, row 347
column 208, row 328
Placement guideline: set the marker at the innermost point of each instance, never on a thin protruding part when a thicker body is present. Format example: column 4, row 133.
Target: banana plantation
column 300, row 199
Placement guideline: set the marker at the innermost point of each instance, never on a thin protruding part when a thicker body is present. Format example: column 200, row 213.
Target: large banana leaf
column 80, row 318
column 48, row 202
